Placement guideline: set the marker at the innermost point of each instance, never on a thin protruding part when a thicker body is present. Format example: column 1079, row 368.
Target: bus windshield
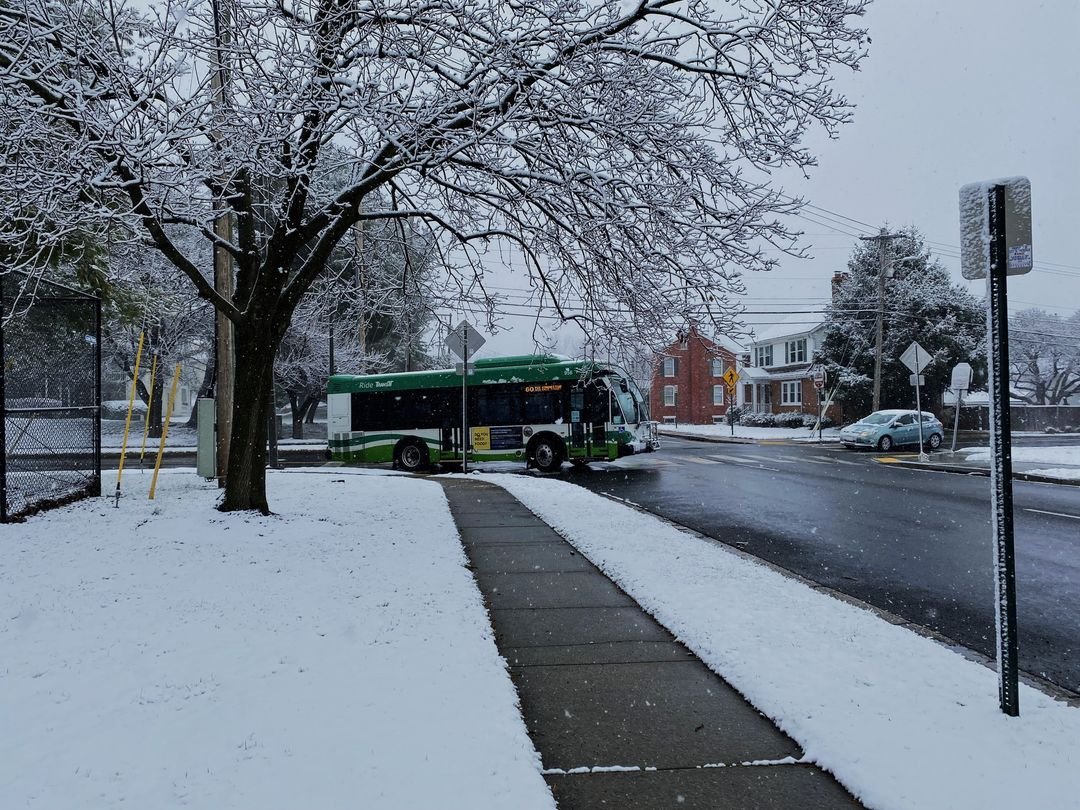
column 625, row 399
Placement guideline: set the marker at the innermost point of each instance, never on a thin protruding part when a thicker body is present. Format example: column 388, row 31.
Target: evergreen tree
column 921, row 304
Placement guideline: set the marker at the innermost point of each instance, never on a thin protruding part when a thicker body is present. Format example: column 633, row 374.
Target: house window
column 717, row 367
column 791, row 392
column 763, row 356
column 795, row 351
column 671, row 394
column 718, row 395
column 671, row 366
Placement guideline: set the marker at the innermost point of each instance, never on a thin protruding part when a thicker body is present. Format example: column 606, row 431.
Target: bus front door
column 588, row 421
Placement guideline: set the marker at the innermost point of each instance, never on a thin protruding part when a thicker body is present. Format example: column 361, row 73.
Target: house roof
column 720, row 342
column 797, row 323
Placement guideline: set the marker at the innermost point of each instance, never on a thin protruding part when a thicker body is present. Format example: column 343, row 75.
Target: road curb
column 982, row 471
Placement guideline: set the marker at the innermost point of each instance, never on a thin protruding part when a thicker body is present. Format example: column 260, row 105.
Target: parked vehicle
column 888, row 429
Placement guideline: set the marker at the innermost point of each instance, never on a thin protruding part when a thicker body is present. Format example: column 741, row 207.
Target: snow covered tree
column 614, row 145
column 370, row 313
column 1044, row 356
column 921, row 304
column 144, row 294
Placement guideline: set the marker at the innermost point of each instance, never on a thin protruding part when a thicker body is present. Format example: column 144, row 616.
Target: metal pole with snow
column 995, row 236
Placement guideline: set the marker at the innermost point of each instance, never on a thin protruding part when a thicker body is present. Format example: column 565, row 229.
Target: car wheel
column 547, row 454
column 934, row 442
column 411, row 455
column 885, row 444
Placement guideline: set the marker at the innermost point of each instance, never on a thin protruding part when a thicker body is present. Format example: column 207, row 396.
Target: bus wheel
column 547, row 453
column 411, row 455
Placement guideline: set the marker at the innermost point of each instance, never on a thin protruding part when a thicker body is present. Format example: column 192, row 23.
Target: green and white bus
column 540, row 409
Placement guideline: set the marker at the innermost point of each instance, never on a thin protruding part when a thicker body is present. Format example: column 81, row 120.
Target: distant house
column 688, row 380
column 781, row 356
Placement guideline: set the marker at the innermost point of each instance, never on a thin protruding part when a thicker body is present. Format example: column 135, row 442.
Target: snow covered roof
column 796, row 323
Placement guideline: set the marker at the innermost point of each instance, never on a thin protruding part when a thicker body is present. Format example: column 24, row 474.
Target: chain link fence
column 50, row 387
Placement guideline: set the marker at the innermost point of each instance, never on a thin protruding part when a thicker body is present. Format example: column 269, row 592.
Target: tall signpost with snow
column 995, row 242
column 463, row 341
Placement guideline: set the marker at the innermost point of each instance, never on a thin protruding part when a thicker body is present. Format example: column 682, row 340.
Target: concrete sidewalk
column 623, row 715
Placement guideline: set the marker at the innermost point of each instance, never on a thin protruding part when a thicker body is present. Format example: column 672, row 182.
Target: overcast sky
column 953, row 92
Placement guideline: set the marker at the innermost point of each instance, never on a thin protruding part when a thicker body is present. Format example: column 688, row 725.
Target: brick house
column 687, row 381
column 781, row 357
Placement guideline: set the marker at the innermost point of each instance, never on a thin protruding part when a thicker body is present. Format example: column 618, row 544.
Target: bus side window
column 543, row 408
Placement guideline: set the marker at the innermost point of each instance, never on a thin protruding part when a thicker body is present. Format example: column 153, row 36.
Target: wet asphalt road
column 912, row 542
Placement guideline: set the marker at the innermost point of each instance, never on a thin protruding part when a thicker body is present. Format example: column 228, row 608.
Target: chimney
column 838, row 279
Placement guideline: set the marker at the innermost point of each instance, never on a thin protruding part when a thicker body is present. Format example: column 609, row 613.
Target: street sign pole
column 918, row 407
column 464, row 399
column 458, row 340
column 1001, row 455
column 956, row 416
column 731, row 404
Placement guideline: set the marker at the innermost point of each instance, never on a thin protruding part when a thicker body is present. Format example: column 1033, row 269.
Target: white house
column 781, row 355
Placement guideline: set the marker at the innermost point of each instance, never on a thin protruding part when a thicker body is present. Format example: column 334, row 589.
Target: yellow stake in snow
column 165, row 429
column 149, row 405
column 127, row 422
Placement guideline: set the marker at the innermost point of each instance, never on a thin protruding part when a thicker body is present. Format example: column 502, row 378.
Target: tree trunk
column 311, row 406
column 204, row 390
column 245, row 481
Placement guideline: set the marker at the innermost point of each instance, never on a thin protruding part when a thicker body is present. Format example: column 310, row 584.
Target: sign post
column 819, row 385
column 995, row 239
column 464, row 341
column 917, row 358
column 960, row 384
column 731, row 378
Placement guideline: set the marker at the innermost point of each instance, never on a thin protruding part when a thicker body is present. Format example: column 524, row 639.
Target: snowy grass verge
column 337, row 654
column 902, row 721
column 1067, row 454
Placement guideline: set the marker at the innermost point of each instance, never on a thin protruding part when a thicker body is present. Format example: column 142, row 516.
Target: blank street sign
column 462, row 333
column 916, row 357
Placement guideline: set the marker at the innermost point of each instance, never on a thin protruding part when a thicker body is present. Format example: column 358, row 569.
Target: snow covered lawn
column 336, row 655
column 1068, row 454
column 903, row 722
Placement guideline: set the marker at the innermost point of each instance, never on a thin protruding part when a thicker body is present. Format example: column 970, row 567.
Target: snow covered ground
column 1050, row 456
column 337, row 654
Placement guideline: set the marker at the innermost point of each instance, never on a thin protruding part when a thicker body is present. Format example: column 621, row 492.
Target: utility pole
column 225, row 366
column 882, row 239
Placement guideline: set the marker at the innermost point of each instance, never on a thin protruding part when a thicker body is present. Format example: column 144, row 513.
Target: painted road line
column 831, row 460
column 767, row 459
column 739, row 460
column 710, row 460
column 1055, row 514
column 886, row 460
column 812, row 461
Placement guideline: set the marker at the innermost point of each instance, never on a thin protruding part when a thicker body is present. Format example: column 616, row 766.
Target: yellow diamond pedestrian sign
column 731, row 376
